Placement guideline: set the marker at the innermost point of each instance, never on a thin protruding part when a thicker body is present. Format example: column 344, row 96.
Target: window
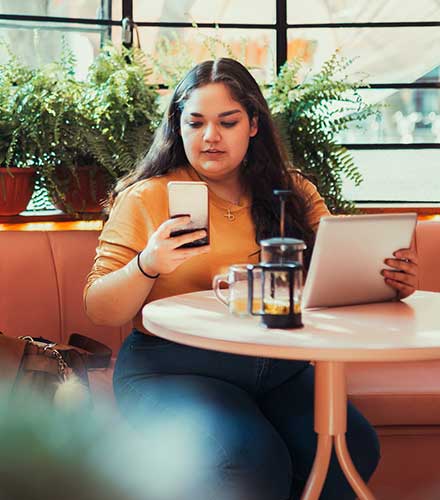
column 394, row 46
column 34, row 30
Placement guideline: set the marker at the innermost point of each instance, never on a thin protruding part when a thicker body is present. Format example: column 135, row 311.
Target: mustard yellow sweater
column 140, row 209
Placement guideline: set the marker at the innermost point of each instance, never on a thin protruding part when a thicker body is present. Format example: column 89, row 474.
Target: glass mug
column 237, row 298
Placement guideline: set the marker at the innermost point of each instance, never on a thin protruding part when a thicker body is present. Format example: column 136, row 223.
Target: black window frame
column 281, row 27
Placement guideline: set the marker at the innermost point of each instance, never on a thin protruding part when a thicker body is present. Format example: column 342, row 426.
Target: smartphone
column 190, row 198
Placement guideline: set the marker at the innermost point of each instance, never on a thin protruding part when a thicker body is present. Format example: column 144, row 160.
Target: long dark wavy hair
column 266, row 167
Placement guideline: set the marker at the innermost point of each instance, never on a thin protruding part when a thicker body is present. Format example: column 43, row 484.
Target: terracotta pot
column 16, row 189
column 84, row 193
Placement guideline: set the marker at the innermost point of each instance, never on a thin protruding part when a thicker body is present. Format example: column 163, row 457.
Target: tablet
column 348, row 256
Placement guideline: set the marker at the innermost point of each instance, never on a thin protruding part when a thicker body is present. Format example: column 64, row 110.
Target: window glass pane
column 40, row 202
column 255, row 48
column 201, row 11
column 38, row 43
column 361, row 11
column 91, row 9
column 406, row 116
column 399, row 175
column 116, row 8
column 379, row 54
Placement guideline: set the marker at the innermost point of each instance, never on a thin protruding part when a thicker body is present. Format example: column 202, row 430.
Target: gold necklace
column 229, row 215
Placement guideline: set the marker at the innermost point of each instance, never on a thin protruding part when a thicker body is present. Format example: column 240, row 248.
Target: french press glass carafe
column 281, row 277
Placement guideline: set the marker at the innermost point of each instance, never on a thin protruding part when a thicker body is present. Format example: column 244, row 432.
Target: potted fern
column 51, row 129
column 120, row 107
column 16, row 174
column 310, row 115
column 83, row 135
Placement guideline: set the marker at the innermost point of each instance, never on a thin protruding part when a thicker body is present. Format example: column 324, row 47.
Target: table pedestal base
column 331, row 425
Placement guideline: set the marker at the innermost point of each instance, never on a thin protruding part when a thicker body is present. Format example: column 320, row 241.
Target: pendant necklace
column 229, row 215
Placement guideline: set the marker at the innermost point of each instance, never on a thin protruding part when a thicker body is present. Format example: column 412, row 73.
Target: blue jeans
column 228, row 427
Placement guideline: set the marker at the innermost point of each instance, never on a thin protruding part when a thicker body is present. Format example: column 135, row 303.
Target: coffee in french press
column 281, row 280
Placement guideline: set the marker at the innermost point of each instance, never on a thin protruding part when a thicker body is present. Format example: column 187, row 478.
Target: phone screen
column 190, row 198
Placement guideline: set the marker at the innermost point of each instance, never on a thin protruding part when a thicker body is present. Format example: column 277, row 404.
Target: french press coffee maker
column 281, row 277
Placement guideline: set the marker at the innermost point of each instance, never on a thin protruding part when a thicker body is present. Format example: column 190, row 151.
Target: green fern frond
column 314, row 113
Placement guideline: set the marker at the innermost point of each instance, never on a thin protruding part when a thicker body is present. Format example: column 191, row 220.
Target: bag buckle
column 62, row 365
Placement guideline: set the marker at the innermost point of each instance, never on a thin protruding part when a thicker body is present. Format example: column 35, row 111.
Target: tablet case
column 348, row 256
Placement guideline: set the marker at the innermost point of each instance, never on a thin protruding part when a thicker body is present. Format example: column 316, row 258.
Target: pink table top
column 389, row 331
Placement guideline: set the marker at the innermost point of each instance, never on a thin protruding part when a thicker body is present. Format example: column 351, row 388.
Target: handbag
column 56, row 372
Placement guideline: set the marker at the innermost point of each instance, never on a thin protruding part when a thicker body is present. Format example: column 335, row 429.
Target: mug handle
column 216, row 282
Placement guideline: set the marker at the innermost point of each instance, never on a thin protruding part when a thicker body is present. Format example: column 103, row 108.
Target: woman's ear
column 254, row 127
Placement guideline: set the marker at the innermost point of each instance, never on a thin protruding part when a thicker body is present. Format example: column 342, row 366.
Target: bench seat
column 43, row 275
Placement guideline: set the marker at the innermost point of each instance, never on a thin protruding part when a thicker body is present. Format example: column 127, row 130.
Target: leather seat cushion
column 399, row 393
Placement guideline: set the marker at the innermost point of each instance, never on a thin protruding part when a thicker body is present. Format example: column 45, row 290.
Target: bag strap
column 11, row 354
column 98, row 354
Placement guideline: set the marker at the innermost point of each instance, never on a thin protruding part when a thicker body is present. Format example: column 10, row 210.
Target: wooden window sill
column 424, row 211
column 57, row 220
column 50, row 221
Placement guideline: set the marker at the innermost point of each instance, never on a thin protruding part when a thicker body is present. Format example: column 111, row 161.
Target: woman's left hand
column 404, row 276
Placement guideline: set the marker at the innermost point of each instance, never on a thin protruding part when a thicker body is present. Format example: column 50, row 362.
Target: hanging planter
column 16, row 188
column 85, row 190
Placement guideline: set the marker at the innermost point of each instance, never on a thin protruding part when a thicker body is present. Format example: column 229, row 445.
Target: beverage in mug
column 236, row 297
column 238, row 305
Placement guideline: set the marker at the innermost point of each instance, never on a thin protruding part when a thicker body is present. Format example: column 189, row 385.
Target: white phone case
column 190, row 198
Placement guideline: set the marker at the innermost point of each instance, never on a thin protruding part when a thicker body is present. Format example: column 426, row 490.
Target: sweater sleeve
column 315, row 202
column 126, row 232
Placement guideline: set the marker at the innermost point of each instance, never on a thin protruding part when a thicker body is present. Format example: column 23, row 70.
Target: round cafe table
column 389, row 331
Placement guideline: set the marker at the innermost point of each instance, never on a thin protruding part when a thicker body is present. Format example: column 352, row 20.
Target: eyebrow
column 221, row 115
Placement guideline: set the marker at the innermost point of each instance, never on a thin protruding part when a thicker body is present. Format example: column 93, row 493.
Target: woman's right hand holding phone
column 162, row 254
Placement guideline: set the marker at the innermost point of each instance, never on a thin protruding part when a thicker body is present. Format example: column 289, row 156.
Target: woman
column 218, row 426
